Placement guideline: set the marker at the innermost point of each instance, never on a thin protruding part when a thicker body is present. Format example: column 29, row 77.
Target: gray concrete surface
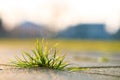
column 109, row 70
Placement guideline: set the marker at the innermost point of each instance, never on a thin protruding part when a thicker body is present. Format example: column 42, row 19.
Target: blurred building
column 86, row 31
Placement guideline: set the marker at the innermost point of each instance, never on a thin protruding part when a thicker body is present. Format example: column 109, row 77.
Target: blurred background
column 76, row 19
column 78, row 25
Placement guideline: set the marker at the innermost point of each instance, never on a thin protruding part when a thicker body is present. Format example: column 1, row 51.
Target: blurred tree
column 2, row 31
column 28, row 29
column 117, row 35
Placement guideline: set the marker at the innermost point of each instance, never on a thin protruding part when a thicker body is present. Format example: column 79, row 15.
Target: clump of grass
column 103, row 59
column 42, row 56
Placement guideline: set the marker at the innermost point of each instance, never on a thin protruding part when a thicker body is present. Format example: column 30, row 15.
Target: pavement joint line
column 101, row 67
column 90, row 67
column 103, row 74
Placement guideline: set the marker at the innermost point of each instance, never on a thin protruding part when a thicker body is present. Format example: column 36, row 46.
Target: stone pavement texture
column 99, row 70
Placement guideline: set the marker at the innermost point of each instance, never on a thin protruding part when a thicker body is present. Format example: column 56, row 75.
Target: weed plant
column 42, row 56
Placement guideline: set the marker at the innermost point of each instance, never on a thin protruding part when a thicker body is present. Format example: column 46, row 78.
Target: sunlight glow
column 61, row 13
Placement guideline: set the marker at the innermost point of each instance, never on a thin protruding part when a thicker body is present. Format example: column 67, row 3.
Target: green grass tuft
column 103, row 59
column 42, row 56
